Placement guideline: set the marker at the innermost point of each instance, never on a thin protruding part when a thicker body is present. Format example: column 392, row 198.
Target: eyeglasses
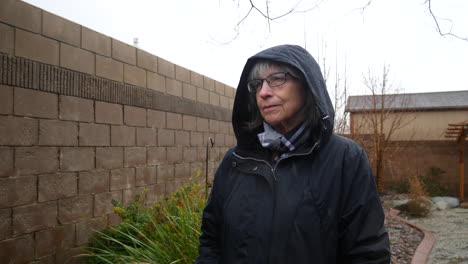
column 273, row 80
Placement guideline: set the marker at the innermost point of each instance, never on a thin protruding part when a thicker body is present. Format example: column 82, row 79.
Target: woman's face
column 281, row 106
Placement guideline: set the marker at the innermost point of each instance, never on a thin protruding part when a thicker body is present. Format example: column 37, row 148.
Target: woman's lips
column 269, row 107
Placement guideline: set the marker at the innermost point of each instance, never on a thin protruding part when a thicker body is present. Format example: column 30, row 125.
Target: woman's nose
column 265, row 90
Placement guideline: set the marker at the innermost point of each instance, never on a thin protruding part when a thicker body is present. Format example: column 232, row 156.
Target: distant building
column 420, row 116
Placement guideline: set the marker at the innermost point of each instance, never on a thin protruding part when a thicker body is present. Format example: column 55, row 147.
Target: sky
column 349, row 42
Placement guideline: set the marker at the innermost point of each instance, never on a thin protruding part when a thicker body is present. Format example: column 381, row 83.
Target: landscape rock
column 451, row 201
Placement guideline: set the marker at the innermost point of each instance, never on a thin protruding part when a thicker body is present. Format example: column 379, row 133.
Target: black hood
column 299, row 58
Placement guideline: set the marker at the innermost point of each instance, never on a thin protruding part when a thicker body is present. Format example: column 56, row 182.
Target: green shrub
column 429, row 182
column 419, row 207
column 166, row 232
column 401, row 186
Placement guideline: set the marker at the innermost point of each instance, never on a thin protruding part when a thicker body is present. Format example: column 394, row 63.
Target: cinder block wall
column 85, row 119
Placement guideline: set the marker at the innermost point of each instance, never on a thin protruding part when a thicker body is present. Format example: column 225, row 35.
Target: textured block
column 196, row 79
column 76, row 109
column 76, row 159
column 95, row 42
column 70, row 256
column 123, row 52
column 145, row 175
column 189, row 91
column 147, row 61
column 166, row 68
column 203, row 96
column 36, row 47
column 146, row 136
column 6, row 162
column 18, row 249
column 134, row 116
column 86, row 229
column 94, row 134
column 60, row 29
column 109, row 113
column 109, row 158
column 134, row 156
column 122, row 136
column 5, row 224
column 173, row 87
column 190, row 154
column 58, row 133
column 20, row 14
column 77, row 59
column 219, row 139
column 166, row 137
column 224, row 102
column 214, row 99
column 122, row 178
column 208, row 84
column 6, row 98
column 17, row 191
column 182, row 138
column 36, row 160
column 174, row 155
column 18, row 131
column 156, row 119
column 219, row 88
column 54, row 240
column 134, row 75
column 35, row 104
column 129, row 195
column 94, row 182
column 30, row 218
column 182, row 172
column 214, row 125
column 229, row 91
column 202, row 125
column 156, row 82
column 189, row 123
column 196, row 139
column 156, row 155
column 174, row 121
column 109, row 68
column 155, row 193
column 57, row 186
column 103, row 202
column 182, row 74
column 7, row 42
column 75, row 209
column 165, row 173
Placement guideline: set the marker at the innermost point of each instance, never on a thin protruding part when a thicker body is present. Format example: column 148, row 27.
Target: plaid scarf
column 284, row 144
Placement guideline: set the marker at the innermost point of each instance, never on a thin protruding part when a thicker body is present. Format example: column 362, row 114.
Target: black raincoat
column 319, row 205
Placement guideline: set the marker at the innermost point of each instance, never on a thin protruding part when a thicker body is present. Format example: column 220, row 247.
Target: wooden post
column 462, row 164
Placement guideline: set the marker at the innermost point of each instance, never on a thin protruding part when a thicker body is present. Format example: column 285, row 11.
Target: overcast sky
column 201, row 35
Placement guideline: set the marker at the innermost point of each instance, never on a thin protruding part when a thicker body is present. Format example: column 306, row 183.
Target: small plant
column 419, row 206
column 401, row 186
column 431, row 184
column 416, row 188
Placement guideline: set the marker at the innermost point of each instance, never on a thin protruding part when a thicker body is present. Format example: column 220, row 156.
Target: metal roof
column 413, row 101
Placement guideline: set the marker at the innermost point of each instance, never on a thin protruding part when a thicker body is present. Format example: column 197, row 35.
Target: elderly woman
column 291, row 191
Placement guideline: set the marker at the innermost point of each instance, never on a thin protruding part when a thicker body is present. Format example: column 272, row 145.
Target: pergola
column 459, row 131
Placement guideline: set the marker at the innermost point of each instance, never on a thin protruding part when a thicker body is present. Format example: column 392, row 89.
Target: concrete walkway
column 450, row 227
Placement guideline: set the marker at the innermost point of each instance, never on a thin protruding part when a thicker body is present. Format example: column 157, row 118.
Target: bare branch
column 436, row 21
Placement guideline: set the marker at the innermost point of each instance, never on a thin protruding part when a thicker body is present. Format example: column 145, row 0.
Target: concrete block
column 214, row 99
column 182, row 138
column 54, row 240
column 155, row 193
column 214, row 125
column 35, row 104
column 129, row 195
column 21, row 14
column 36, row 47
column 156, row 155
column 134, row 75
column 109, row 158
column 174, row 155
column 208, row 84
column 76, row 109
column 219, row 139
column 123, row 52
column 95, row 42
column 77, row 159
column 86, row 229
column 173, row 87
column 189, row 91
column 18, row 131
column 196, row 79
column 75, row 209
column 58, row 133
column 203, row 96
column 156, row 119
column 202, row 125
column 156, row 82
column 17, row 191
column 134, row 116
column 146, row 136
column 6, row 99
column 5, row 224
column 109, row 113
column 182, row 74
column 19, row 249
column 165, row 173
column 94, row 182
column 219, row 88
column 231, row 103
column 30, row 218
column 7, row 42
column 60, row 29
column 134, row 156
column 182, row 172
column 145, row 176
column 57, row 186
column 147, row 61
column 94, row 134
column 166, row 137
column 224, row 101
column 70, row 256
column 166, row 68
column 122, row 136
column 103, row 202
column 77, row 59
column 36, row 160
column 189, row 123
column 123, row 178
column 6, row 162
column 109, row 68
column 229, row 91
column 196, row 139
column 174, row 121
column 189, row 154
